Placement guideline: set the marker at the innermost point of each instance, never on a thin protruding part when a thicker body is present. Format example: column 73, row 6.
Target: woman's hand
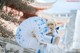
column 33, row 35
column 45, row 44
column 49, row 32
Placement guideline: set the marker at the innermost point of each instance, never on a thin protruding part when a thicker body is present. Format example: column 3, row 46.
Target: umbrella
column 24, row 35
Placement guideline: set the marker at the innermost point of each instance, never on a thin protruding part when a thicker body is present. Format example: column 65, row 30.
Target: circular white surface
column 24, row 32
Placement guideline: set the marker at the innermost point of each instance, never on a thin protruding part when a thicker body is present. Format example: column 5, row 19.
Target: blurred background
column 13, row 12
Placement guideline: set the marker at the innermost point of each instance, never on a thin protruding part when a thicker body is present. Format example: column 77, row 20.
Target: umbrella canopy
column 32, row 26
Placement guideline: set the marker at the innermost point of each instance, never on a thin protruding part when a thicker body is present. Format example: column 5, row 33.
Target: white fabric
column 50, row 49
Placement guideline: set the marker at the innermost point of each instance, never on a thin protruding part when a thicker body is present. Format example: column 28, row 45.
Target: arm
column 57, row 40
column 57, row 37
column 43, row 39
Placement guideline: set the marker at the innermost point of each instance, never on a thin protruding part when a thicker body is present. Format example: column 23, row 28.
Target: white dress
column 51, row 47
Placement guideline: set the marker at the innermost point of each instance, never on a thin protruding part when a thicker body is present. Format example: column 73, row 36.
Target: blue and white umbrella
column 24, row 35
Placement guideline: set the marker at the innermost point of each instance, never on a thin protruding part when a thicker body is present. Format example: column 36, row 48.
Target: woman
column 51, row 37
column 52, row 31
